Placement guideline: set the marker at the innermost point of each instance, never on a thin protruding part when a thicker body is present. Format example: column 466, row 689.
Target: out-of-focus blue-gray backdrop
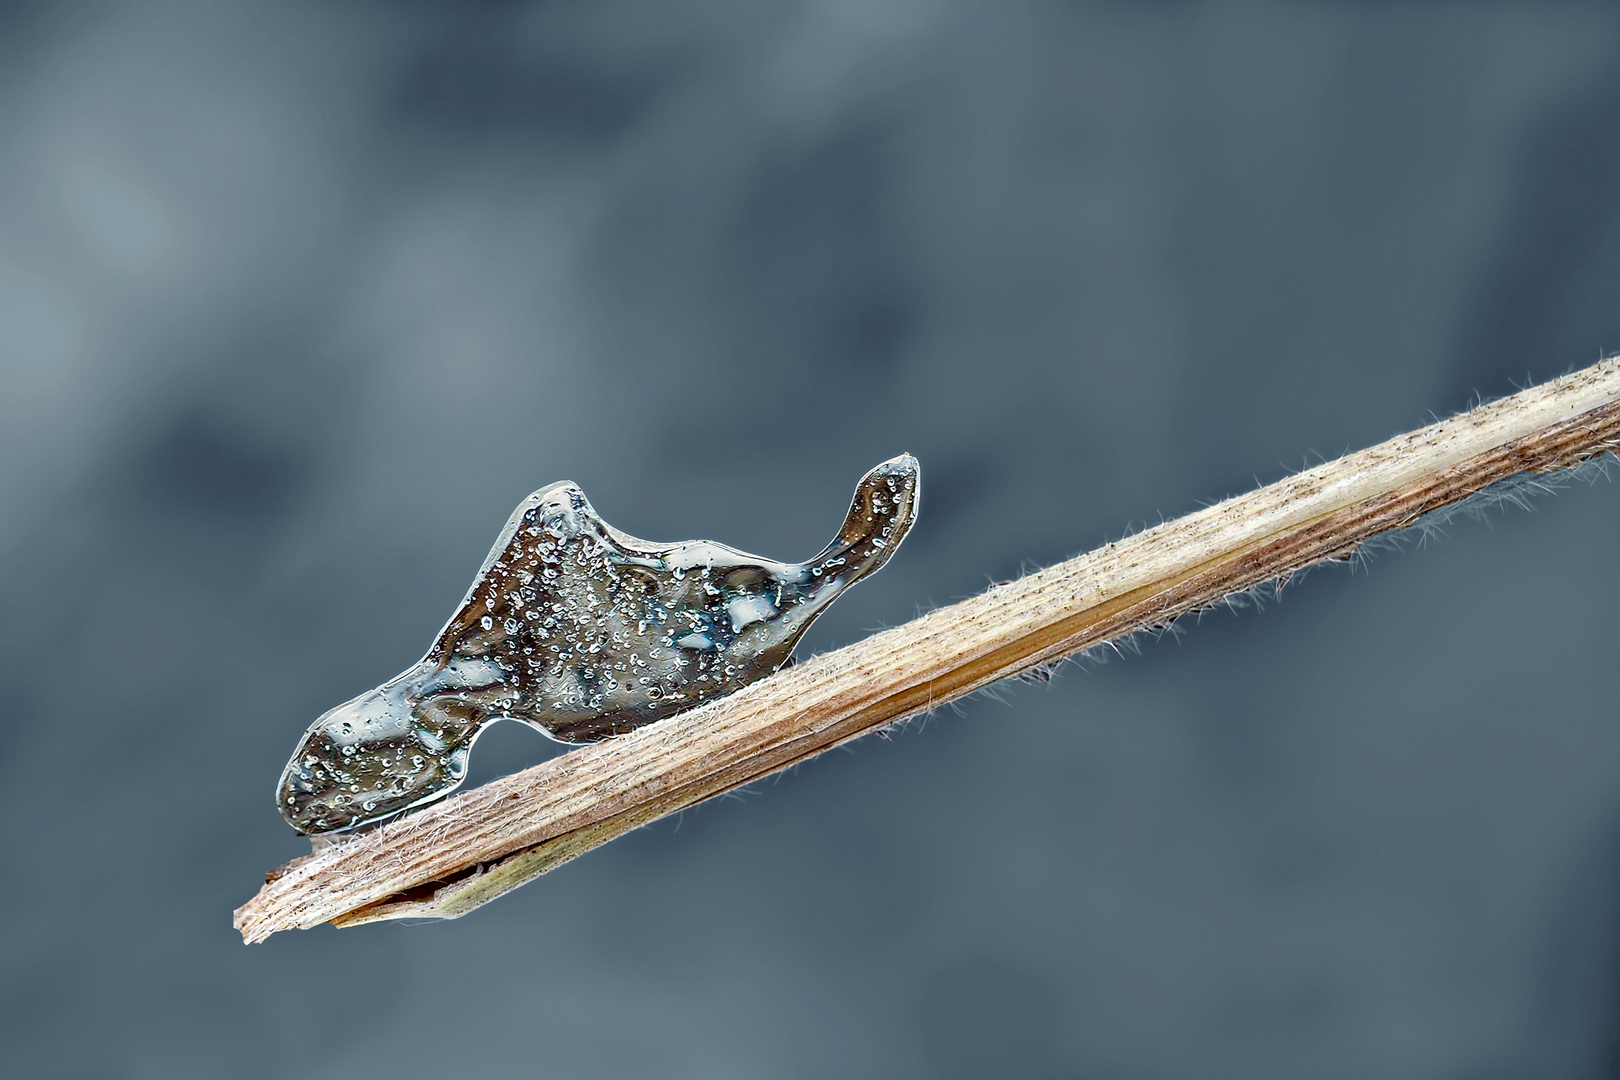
column 298, row 300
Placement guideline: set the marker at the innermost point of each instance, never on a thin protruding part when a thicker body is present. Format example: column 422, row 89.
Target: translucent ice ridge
column 582, row 632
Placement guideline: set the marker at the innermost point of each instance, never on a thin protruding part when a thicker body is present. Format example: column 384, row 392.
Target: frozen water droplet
column 592, row 620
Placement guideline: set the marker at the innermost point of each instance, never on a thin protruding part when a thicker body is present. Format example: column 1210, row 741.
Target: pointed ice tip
column 899, row 463
column 903, row 469
column 884, row 508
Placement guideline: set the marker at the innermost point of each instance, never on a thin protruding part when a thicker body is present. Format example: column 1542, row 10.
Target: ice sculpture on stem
column 582, row 632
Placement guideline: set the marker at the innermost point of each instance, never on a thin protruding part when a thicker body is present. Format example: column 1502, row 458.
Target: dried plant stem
column 454, row 856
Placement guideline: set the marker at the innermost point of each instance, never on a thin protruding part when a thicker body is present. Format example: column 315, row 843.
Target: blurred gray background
column 298, row 300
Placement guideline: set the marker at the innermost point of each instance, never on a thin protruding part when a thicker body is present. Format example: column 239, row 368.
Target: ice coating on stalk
column 582, row 632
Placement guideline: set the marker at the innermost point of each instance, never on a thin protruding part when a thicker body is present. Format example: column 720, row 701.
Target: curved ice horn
column 582, row 632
